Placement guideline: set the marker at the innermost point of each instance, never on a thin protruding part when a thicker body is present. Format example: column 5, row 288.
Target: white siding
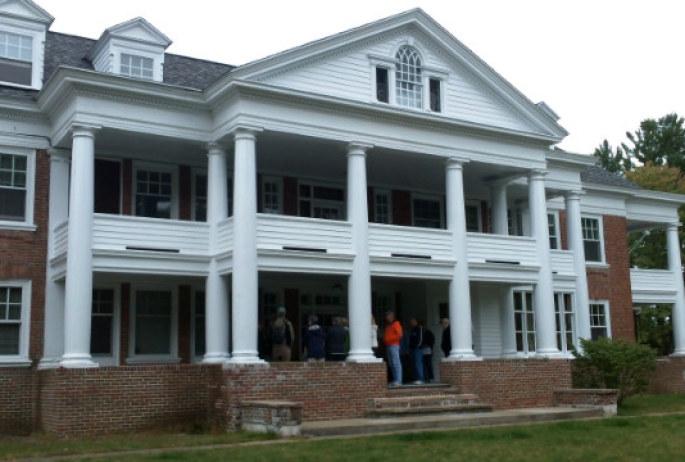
column 486, row 320
column 349, row 75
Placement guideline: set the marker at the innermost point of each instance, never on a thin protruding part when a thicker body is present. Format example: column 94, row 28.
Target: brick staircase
column 424, row 400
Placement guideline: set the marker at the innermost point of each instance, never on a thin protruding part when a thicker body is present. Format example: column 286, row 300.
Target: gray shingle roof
column 595, row 174
column 70, row 50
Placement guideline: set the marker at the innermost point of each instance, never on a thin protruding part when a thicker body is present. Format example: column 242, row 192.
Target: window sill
column 153, row 360
column 16, row 226
column 19, row 86
column 597, row 265
column 15, row 362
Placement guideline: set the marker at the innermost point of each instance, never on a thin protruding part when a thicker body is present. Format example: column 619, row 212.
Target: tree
column 659, row 142
column 615, row 161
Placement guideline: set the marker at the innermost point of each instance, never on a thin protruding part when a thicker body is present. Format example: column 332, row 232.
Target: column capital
column 456, row 162
column 574, row 194
column 537, row 174
column 673, row 226
column 356, row 148
column 79, row 129
column 58, row 155
column 245, row 132
column 215, row 148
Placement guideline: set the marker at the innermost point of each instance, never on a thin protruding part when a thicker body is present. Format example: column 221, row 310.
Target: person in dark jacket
column 335, row 340
column 416, row 350
column 427, row 348
column 446, row 343
column 314, row 340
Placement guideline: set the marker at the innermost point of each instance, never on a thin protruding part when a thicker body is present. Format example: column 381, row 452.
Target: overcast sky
column 602, row 65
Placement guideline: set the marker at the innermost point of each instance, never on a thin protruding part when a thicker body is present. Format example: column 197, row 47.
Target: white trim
column 156, row 167
column 172, row 357
column 28, row 223
column 194, row 358
column 475, row 203
column 388, row 194
column 37, row 34
column 194, row 173
column 439, row 198
column 561, row 319
column 607, row 314
column 113, row 359
column 557, row 233
column 279, row 184
column 22, row 358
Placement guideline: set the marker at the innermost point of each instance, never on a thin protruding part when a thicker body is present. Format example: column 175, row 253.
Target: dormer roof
column 135, row 30
column 26, row 10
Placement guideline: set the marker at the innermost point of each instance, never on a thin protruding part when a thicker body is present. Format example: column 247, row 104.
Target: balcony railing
column 279, row 232
column 652, row 285
column 494, row 248
column 562, row 262
column 404, row 241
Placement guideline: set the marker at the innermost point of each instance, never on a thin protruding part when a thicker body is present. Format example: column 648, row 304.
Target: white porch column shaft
column 545, row 324
column 459, row 291
column 675, row 266
column 500, row 222
column 53, row 346
column 507, row 323
column 245, row 276
column 216, row 300
column 79, row 277
column 574, row 232
column 359, row 289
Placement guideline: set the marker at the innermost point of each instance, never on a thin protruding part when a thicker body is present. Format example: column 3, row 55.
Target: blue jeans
column 417, row 360
column 394, row 362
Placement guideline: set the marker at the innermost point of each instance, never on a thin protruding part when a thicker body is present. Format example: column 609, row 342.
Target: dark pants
column 428, row 367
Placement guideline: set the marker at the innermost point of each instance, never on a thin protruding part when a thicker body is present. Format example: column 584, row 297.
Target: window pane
column 101, row 335
column 153, row 322
column 19, row 72
column 592, row 251
column 9, row 339
column 200, row 329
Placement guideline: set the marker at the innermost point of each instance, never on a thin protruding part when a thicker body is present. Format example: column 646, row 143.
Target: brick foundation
column 510, row 383
column 17, row 401
column 669, row 376
column 605, row 399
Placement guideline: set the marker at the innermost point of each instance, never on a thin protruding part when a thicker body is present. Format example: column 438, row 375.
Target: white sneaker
column 418, row 382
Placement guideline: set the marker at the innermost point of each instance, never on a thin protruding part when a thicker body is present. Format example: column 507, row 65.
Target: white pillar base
column 552, row 354
column 219, row 358
column 510, row 354
column 362, row 357
column 677, row 354
column 49, row 363
column 247, row 357
column 77, row 362
column 456, row 355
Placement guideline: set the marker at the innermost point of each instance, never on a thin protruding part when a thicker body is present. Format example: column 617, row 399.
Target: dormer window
column 137, row 67
column 16, row 52
column 408, row 78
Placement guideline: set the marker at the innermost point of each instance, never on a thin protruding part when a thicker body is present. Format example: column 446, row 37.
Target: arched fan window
column 408, row 79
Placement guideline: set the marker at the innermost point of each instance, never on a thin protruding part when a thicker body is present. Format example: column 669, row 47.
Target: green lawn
column 641, row 438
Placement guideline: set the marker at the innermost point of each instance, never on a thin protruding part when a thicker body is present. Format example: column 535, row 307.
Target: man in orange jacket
column 393, row 334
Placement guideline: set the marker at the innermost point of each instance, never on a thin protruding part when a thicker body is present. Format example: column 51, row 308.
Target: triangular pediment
column 341, row 66
column 25, row 9
column 139, row 30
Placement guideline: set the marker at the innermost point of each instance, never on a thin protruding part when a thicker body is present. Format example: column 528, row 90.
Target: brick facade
column 23, row 255
column 17, row 401
column 669, row 376
column 510, row 383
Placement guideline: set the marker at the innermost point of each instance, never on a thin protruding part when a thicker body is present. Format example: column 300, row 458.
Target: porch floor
column 368, row 426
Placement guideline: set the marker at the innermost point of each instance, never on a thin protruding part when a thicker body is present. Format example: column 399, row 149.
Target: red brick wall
column 613, row 283
column 23, row 254
column 17, row 401
column 510, row 383
column 328, row 390
column 77, row 402
column 669, row 376
column 401, row 208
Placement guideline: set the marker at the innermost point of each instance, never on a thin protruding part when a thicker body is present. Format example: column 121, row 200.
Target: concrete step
column 404, row 402
column 422, row 390
column 367, row 426
column 428, row 410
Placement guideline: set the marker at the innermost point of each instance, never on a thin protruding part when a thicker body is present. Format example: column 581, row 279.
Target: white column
column 675, row 266
column 79, row 283
column 216, row 290
column 507, row 324
column 359, row 289
column 545, row 324
column 53, row 345
column 245, row 276
column 500, row 222
column 459, row 291
column 574, row 233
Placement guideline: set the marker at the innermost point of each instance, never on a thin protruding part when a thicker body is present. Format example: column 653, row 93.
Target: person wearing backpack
column 282, row 335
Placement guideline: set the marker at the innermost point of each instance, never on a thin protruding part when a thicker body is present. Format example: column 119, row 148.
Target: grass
column 642, row 438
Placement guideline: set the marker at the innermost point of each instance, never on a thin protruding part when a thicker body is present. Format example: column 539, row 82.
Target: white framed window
column 474, row 221
column 592, row 239
column 565, row 321
column 139, row 67
column 272, row 195
column 153, row 326
column 15, row 313
column 382, row 84
column 600, row 325
column 16, row 58
column 553, row 226
column 435, row 99
column 382, row 207
column 321, row 201
column 17, row 173
column 428, row 211
column 199, row 326
column 408, row 78
column 105, row 318
column 524, row 322
column 155, row 191
column 200, row 196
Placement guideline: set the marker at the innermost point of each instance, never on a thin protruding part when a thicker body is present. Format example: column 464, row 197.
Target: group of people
column 333, row 344
column 421, row 342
